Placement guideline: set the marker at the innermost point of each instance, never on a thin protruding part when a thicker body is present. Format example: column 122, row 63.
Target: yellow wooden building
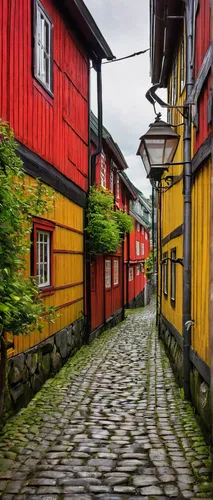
column 181, row 58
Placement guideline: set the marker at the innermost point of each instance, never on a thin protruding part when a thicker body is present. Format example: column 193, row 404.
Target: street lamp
column 157, row 148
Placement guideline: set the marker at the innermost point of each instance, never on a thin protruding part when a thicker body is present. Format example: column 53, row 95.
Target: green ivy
column 21, row 309
column 106, row 227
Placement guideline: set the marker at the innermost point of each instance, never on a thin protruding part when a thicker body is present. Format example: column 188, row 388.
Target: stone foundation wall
column 142, row 299
column 27, row 371
column 200, row 390
column 110, row 323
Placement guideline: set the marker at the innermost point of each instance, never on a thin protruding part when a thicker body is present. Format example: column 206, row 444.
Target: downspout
column 127, row 271
column 187, row 178
column 153, row 248
column 123, row 268
column 91, row 181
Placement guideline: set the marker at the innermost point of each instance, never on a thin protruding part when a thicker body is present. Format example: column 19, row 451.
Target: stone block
column 55, row 360
column 32, row 362
column 46, row 346
column 28, row 393
column 17, row 395
column 36, row 383
column 61, row 343
column 16, row 370
column 45, row 366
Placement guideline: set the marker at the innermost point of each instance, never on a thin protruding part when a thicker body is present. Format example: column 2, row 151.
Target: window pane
column 43, row 258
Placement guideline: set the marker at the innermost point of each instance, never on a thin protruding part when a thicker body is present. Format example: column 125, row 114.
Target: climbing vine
column 21, row 309
column 106, row 227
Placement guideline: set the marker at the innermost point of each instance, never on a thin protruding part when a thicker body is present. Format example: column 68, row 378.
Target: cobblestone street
column 111, row 425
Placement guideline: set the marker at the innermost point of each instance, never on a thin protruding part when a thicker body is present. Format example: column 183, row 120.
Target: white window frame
column 146, row 236
column 111, row 180
column 142, row 249
column 43, row 56
column 138, row 227
column 41, row 262
column 108, row 274
column 142, row 230
column 116, row 272
column 137, row 248
column 117, row 186
column 138, row 270
column 131, row 273
column 103, row 169
column 142, row 268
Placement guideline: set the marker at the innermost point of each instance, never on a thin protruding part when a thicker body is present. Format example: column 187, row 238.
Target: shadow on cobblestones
column 111, row 425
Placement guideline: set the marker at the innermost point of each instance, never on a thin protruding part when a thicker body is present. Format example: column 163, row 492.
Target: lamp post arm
column 153, row 98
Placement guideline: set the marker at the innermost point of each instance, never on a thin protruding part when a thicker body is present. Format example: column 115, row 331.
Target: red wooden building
column 117, row 280
column 46, row 49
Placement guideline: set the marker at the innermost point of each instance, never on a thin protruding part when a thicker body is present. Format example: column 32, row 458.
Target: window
column 138, row 270
column 165, row 274
column 142, row 248
column 173, row 276
column 142, row 268
column 137, row 247
column 42, row 262
column 131, row 274
column 146, row 236
column 43, row 47
column 111, row 179
column 116, row 272
column 103, row 170
column 142, row 230
column 182, row 65
column 107, row 274
column 118, row 186
column 138, row 227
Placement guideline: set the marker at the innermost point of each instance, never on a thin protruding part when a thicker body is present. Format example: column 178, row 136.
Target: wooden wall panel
column 200, row 262
column 36, row 117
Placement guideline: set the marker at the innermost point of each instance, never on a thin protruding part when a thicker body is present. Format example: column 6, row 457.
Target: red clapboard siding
column 42, row 123
column 203, row 33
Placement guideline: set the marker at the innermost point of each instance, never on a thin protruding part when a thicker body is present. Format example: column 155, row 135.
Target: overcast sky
column 126, row 112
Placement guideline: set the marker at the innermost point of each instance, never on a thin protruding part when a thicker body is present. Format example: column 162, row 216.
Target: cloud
column 126, row 112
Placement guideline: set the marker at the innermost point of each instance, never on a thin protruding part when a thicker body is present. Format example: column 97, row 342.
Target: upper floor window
column 138, row 227
column 43, row 47
column 146, row 236
column 103, row 170
column 137, row 247
column 142, row 230
column 118, row 186
column 111, row 179
column 142, row 248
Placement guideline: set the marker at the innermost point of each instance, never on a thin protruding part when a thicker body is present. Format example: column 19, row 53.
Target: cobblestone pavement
column 111, row 425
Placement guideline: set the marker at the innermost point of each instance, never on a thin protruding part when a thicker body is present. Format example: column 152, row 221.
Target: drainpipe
column 159, row 246
column 187, row 207
column 91, row 181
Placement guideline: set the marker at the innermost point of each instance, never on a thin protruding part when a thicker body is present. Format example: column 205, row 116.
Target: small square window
column 116, row 272
column 43, row 47
column 107, row 274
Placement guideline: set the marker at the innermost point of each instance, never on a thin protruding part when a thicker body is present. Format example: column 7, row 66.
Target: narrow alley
column 111, row 425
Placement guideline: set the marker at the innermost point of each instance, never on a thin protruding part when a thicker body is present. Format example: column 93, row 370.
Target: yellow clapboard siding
column 174, row 314
column 68, row 270
column 200, row 262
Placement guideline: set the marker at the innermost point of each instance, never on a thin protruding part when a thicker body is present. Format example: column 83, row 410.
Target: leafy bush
column 105, row 226
column 21, row 309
